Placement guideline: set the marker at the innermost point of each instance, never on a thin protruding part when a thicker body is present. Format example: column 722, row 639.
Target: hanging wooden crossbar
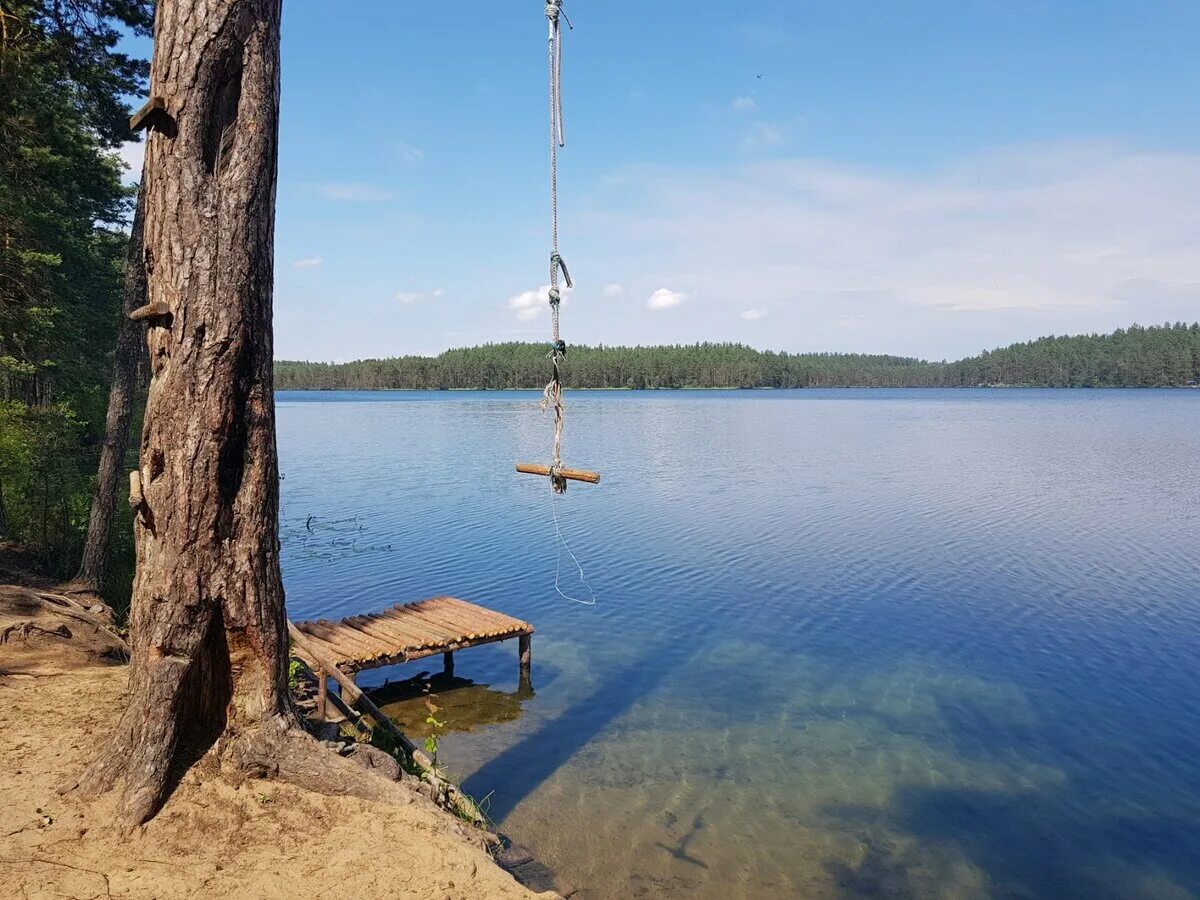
column 569, row 474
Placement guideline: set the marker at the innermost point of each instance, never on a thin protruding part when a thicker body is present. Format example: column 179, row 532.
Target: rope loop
column 558, row 263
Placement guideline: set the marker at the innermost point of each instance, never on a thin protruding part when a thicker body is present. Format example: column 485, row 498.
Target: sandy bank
column 220, row 835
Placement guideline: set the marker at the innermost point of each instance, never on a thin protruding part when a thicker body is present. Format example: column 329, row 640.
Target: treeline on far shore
column 1158, row 356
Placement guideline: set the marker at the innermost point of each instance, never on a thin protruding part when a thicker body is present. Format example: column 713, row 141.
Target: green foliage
column 431, row 741
column 294, row 667
column 44, row 491
column 386, row 741
column 1132, row 357
column 63, row 110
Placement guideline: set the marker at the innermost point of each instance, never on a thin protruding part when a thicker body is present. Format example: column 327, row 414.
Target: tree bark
column 208, row 629
column 130, row 349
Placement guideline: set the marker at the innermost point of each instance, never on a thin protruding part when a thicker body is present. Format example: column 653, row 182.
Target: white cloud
column 665, row 299
column 612, row 291
column 1001, row 246
column 353, row 192
column 308, row 262
column 753, row 315
column 529, row 305
column 409, row 153
column 408, row 298
column 744, row 104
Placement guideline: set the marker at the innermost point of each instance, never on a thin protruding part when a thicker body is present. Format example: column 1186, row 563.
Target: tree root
column 276, row 749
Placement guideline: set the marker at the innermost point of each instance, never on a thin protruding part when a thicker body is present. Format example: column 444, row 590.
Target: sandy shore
column 220, row 835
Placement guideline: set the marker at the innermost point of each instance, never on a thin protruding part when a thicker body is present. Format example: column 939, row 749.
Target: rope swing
column 552, row 396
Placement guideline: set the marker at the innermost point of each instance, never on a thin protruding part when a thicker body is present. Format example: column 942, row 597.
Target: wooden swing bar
column 569, row 474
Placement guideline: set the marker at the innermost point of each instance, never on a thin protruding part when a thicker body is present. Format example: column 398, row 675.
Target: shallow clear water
column 848, row 643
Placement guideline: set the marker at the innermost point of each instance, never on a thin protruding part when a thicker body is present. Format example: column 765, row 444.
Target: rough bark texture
column 129, row 352
column 208, row 636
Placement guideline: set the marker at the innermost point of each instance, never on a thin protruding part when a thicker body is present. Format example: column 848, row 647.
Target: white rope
column 563, row 545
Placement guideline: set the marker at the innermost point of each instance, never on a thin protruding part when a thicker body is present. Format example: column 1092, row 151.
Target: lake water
column 847, row 643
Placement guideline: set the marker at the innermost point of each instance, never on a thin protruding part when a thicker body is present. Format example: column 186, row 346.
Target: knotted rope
column 552, row 397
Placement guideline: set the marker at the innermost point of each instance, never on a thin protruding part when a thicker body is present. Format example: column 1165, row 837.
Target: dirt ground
column 220, row 834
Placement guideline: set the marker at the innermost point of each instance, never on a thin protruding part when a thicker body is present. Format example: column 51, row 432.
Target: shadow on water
column 518, row 771
column 680, row 852
column 1022, row 844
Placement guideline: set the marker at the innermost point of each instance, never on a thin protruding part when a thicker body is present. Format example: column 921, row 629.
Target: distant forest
column 1157, row 356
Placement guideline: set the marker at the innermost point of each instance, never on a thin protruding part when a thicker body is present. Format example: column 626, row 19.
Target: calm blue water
column 848, row 643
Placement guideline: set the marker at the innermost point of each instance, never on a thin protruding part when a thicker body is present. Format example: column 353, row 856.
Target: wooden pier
column 404, row 633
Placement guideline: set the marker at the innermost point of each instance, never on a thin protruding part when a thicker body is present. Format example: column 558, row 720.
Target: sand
column 220, row 834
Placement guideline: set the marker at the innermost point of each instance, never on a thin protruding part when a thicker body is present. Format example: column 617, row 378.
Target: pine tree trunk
column 130, row 349
column 208, row 629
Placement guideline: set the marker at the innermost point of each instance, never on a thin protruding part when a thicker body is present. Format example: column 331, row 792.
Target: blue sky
column 925, row 178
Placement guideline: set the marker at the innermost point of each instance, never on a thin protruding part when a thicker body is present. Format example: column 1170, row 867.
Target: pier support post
column 448, row 664
column 322, row 692
column 524, row 645
column 349, row 700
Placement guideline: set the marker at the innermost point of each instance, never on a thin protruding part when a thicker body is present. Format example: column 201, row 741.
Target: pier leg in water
column 448, row 664
column 524, row 643
column 322, row 694
column 346, row 698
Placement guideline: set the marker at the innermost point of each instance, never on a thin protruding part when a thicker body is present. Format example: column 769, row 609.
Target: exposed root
column 277, row 749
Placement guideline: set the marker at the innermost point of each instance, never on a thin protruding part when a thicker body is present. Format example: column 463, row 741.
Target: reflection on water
column 849, row 643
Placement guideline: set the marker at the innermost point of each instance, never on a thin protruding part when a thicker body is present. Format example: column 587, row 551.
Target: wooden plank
column 151, row 111
column 468, row 619
column 489, row 614
column 327, row 648
column 399, row 648
column 451, row 648
column 461, row 632
column 155, row 310
column 357, row 626
column 350, row 637
column 413, row 637
column 569, row 474
column 414, row 618
column 475, row 616
column 346, row 644
column 459, row 629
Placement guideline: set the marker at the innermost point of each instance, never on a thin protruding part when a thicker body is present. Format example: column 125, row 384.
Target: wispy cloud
column 1004, row 245
column 353, row 192
column 408, row 153
column 612, row 291
column 408, row 298
column 753, row 315
column 307, row 262
column 744, row 104
column 665, row 299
